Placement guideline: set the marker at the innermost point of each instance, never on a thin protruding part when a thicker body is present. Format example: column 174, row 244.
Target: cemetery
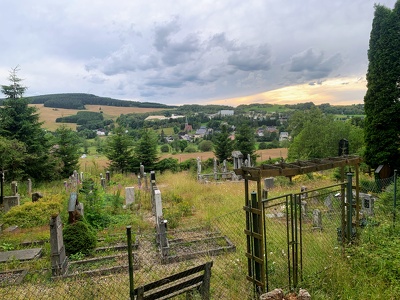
column 165, row 243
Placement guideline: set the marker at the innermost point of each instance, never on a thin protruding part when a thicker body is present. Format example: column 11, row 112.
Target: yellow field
column 48, row 115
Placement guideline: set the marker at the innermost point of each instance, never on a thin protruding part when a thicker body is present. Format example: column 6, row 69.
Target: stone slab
column 25, row 254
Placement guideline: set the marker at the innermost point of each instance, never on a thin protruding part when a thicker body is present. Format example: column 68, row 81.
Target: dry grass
column 48, row 115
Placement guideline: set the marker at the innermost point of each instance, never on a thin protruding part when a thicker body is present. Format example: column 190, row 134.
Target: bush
column 188, row 164
column 165, row 148
column 190, row 149
column 262, row 145
column 79, row 237
column 32, row 214
column 167, row 164
column 205, row 146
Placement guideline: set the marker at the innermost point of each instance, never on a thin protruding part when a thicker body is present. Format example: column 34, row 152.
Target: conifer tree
column 382, row 106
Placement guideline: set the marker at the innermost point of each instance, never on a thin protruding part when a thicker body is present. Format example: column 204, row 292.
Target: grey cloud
column 311, row 64
column 163, row 32
column 250, row 58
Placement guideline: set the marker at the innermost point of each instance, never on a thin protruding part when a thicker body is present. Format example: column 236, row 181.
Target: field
column 48, row 115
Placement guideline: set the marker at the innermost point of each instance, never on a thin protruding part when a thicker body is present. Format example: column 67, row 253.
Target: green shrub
column 262, row 145
column 190, row 149
column 32, row 214
column 188, row 164
column 167, row 164
column 79, row 237
column 165, row 148
column 206, row 146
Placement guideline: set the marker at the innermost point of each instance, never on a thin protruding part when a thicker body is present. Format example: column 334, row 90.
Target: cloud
column 311, row 64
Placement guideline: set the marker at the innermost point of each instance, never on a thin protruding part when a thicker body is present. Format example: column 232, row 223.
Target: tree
column 15, row 89
column 119, row 151
column 146, row 149
column 245, row 141
column 12, row 157
column 320, row 138
column 205, row 146
column 382, row 106
column 20, row 122
column 223, row 145
column 67, row 149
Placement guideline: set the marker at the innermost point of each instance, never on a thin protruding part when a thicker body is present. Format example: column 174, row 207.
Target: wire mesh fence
column 220, row 240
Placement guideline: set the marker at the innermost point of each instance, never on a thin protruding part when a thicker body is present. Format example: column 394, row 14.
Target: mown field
column 48, row 115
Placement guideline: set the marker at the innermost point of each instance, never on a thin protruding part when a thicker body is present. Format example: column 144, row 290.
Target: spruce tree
column 382, row 107
column 146, row 152
column 245, row 141
column 119, row 151
column 223, row 145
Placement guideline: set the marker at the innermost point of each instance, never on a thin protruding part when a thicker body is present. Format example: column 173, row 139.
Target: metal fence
column 220, row 240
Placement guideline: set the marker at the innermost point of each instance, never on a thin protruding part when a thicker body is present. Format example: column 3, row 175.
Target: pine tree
column 20, row 122
column 223, row 145
column 382, row 106
column 146, row 151
column 245, row 141
column 119, row 151
column 67, row 149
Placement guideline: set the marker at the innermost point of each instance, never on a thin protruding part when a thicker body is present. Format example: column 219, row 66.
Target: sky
column 176, row 52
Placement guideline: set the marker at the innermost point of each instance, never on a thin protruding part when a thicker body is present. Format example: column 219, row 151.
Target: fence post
column 394, row 198
column 349, row 196
column 130, row 261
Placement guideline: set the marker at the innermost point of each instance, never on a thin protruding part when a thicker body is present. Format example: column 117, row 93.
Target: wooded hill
column 79, row 100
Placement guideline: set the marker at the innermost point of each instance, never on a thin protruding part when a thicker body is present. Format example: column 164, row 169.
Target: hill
column 80, row 100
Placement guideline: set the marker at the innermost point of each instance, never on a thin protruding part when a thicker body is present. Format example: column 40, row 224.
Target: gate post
column 349, row 210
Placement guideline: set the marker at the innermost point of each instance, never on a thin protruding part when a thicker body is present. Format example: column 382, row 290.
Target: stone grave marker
column 29, row 186
column 59, row 260
column 317, row 219
column 129, row 196
column 304, row 209
column 146, row 185
column 108, row 177
column 9, row 202
column 139, row 181
column 367, row 204
column 14, row 188
column 329, row 202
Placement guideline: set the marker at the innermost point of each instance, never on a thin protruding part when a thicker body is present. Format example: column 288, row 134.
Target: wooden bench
column 184, row 282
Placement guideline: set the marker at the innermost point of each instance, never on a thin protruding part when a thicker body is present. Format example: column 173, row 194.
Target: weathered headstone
column 158, row 204
column 59, row 260
column 367, row 204
column 74, row 208
column 108, row 177
column 268, row 183
column 139, row 181
column 329, row 202
column 9, row 202
column 146, row 185
column 249, row 160
column 304, row 208
column 152, row 176
column 14, row 188
column 29, row 186
column 198, row 165
column 304, row 194
column 141, row 170
column 129, row 196
column 317, row 219
column 103, row 182
column 81, row 176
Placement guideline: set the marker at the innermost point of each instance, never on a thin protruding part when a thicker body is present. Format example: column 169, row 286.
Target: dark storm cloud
column 312, row 64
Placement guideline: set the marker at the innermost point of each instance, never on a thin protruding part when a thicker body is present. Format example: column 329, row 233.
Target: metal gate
column 302, row 232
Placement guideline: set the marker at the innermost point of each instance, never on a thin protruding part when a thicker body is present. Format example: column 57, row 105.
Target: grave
column 317, row 219
column 129, row 196
column 21, row 255
column 9, row 202
column 59, row 260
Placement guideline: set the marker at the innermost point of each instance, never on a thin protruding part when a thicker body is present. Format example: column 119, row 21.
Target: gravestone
column 367, row 204
column 76, row 177
column 141, row 170
column 249, row 160
column 108, row 176
column 9, row 202
column 304, row 208
column 329, row 202
column 59, row 260
column 129, row 196
column 237, row 159
column 75, row 209
column 29, row 186
column 103, row 183
column 304, row 194
column 317, row 219
column 139, row 181
column 146, row 185
column 14, row 188
column 268, row 183
column 152, row 176
column 198, row 167
column 158, row 204
column 81, row 176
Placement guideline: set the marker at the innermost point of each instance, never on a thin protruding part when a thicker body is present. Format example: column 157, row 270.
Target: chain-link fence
column 220, row 240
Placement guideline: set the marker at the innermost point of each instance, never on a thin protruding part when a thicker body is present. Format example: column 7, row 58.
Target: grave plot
column 193, row 244
column 179, row 246
column 12, row 277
